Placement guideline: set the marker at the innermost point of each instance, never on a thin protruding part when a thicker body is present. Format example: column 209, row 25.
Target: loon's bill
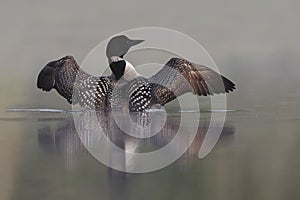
column 177, row 77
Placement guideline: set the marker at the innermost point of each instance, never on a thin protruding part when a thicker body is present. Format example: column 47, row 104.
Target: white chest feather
column 130, row 72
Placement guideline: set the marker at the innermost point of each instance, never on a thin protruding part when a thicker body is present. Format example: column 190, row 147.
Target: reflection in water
column 56, row 164
column 63, row 139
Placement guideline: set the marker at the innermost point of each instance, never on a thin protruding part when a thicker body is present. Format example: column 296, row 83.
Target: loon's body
column 125, row 85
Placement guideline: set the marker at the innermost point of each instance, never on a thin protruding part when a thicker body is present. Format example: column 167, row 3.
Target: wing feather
column 179, row 76
column 72, row 83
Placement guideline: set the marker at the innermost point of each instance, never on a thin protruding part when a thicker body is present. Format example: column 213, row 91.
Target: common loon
column 177, row 77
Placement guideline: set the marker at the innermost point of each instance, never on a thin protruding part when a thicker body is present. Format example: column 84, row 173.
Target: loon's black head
column 119, row 45
column 116, row 48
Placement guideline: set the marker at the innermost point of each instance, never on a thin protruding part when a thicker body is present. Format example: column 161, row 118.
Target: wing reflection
column 65, row 140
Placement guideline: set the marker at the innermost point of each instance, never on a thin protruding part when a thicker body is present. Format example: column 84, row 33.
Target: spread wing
column 72, row 83
column 179, row 76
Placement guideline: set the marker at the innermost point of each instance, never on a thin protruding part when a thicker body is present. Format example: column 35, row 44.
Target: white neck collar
column 115, row 58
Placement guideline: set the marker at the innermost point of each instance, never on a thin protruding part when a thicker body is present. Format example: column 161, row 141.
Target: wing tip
column 46, row 79
column 229, row 86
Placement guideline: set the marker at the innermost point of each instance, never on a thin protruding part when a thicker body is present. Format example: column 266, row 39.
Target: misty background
column 254, row 43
